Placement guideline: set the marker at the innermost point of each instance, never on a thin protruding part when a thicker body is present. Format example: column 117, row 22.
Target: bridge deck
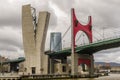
column 21, row 59
column 90, row 48
column 86, row 49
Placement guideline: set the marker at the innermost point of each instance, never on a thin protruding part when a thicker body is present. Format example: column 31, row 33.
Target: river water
column 110, row 77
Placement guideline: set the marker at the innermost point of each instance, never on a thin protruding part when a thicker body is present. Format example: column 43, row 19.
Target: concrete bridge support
column 76, row 27
column 74, row 64
column 89, row 61
column 58, row 65
column 77, row 59
column 51, row 63
column 91, row 69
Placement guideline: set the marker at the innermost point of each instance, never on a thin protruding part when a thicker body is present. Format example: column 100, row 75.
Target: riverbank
column 111, row 76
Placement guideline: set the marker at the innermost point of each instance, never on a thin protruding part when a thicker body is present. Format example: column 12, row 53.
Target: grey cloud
column 109, row 51
column 105, row 13
column 11, row 42
column 6, row 47
column 110, row 55
column 11, row 21
column 111, row 2
column 53, row 19
column 11, row 37
column 12, row 16
column 9, row 14
column 65, row 5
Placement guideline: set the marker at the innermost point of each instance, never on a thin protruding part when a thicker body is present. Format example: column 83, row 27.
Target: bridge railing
column 96, row 41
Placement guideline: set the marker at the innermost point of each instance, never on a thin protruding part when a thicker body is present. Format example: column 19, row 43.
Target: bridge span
column 89, row 48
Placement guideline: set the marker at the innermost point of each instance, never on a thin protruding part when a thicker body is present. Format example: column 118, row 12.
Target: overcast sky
column 105, row 17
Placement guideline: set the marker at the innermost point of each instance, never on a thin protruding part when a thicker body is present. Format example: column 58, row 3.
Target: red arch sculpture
column 84, row 61
column 77, row 26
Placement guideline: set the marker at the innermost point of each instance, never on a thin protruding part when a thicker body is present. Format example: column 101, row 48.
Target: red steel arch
column 77, row 26
column 84, row 61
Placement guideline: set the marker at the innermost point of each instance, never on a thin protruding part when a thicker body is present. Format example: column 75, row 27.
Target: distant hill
column 111, row 63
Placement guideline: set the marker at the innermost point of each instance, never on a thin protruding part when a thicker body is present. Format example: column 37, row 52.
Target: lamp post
column 1, row 64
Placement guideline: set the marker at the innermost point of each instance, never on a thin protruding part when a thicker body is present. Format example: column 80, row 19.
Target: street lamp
column 1, row 64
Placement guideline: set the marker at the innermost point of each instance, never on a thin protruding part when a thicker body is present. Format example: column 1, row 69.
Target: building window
column 33, row 70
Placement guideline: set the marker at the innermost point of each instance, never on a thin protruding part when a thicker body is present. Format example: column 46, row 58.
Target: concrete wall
column 21, row 67
column 115, row 68
column 59, row 68
column 34, row 43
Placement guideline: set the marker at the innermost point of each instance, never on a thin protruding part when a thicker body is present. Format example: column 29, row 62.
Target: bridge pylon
column 75, row 58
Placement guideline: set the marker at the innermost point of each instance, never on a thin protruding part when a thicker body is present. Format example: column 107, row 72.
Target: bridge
column 18, row 60
column 89, row 48
column 13, row 64
column 81, row 54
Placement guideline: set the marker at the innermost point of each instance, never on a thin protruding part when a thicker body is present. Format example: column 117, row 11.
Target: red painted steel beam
column 77, row 26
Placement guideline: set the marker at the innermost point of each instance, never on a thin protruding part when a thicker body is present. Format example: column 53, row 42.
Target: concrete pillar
column 90, row 65
column 91, row 69
column 83, row 67
column 51, row 66
column 74, row 64
column 61, row 68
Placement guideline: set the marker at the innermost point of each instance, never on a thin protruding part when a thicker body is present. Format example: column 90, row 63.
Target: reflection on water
column 110, row 77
